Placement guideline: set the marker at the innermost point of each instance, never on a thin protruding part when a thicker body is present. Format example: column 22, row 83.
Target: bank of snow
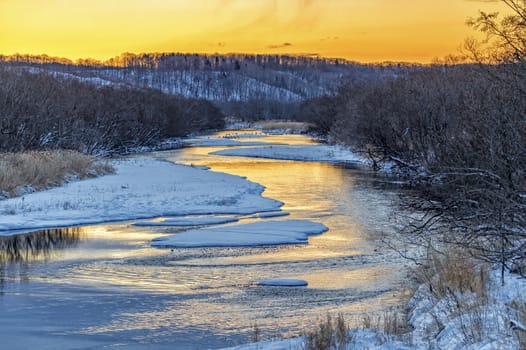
column 140, row 188
column 470, row 321
column 322, row 153
column 456, row 321
column 261, row 233
column 362, row 339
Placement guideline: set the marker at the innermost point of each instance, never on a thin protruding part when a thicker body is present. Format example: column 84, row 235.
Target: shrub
column 329, row 334
column 454, row 271
column 36, row 170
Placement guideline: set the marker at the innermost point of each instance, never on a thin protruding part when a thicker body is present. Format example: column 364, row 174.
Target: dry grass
column 333, row 333
column 454, row 271
column 463, row 283
column 391, row 322
column 27, row 171
column 282, row 125
column 329, row 334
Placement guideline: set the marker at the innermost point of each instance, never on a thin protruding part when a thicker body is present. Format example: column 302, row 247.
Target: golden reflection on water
column 369, row 278
column 311, row 191
column 216, row 288
column 281, row 255
column 286, row 311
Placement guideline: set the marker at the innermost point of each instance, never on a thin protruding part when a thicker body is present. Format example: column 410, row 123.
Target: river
column 103, row 286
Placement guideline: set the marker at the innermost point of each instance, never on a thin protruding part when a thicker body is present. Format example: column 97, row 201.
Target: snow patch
column 221, row 142
column 270, row 214
column 244, row 135
column 321, row 153
column 283, row 283
column 189, row 221
column 363, row 339
column 261, row 233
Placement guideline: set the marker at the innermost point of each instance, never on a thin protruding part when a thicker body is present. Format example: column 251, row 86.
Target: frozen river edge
column 140, row 188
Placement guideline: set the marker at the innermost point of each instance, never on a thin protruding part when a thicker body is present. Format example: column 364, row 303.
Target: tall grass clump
column 331, row 333
column 455, row 272
column 391, row 322
column 460, row 286
column 24, row 172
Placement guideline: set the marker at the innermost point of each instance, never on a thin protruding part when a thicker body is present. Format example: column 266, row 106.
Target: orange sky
column 361, row 30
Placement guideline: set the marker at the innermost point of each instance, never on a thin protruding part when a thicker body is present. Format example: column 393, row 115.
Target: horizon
column 378, row 31
column 76, row 61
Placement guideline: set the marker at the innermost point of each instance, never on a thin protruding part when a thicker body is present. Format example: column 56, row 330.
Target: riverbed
column 104, row 286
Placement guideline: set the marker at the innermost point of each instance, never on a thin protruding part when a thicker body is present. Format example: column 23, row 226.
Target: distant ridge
column 221, row 78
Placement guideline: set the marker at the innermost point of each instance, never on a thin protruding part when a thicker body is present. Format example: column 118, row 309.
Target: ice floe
column 283, row 282
column 221, row 142
column 322, row 153
column 189, row 221
column 261, row 233
column 270, row 214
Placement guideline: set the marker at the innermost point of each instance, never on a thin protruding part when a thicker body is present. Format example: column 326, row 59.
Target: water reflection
column 160, row 296
column 37, row 245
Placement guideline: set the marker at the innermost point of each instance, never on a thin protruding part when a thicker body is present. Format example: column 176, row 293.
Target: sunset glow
column 372, row 30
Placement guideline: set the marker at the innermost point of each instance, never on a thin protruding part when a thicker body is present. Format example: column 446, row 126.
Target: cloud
column 279, row 46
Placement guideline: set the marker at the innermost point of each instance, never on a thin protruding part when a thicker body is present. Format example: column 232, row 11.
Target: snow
column 270, row 214
column 257, row 134
column 141, row 188
column 166, row 144
column 262, row 233
column 287, row 344
column 97, row 81
column 324, row 153
column 220, row 142
column 280, row 282
column 438, row 323
column 189, row 221
column 363, row 339
column 479, row 324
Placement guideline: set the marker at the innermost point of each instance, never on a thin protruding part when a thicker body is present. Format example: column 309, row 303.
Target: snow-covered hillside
column 228, row 78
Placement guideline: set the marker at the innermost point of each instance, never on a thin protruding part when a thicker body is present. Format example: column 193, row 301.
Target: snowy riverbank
column 145, row 188
column 140, row 188
column 460, row 321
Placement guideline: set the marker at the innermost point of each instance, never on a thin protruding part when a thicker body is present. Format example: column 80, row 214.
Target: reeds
column 36, row 170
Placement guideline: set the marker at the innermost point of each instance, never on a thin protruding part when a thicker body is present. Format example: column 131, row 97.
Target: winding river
column 103, row 286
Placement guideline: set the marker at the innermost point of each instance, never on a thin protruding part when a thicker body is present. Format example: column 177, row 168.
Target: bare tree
column 506, row 35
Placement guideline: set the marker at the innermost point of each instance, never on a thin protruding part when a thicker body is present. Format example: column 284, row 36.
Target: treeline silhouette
column 39, row 110
column 461, row 116
column 179, row 60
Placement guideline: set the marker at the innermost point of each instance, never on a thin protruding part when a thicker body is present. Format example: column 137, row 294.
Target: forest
column 246, row 86
column 42, row 111
column 457, row 132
